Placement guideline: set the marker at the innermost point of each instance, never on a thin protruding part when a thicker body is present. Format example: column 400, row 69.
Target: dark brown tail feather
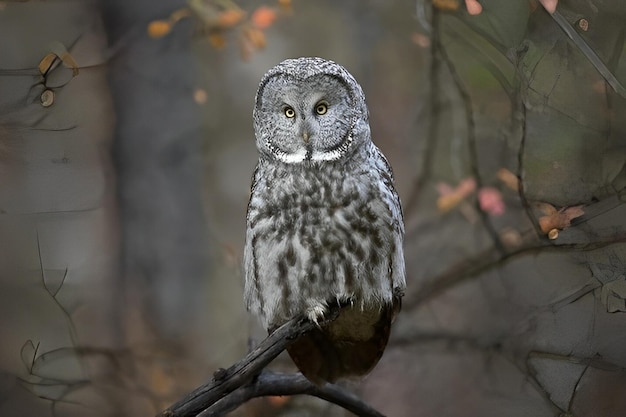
column 349, row 346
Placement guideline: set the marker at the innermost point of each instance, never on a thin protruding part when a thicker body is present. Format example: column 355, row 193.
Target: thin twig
column 428, row 159
column 471, row 143
column 273, row 383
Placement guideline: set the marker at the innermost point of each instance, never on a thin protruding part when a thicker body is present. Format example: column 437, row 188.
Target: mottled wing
column 251, row 291
column 392, row 200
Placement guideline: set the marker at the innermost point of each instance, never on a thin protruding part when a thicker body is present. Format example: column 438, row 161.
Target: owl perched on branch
column 324, row 222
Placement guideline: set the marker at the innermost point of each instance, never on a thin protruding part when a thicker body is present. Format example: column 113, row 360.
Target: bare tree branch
column 227, row 380
column 272, row 383
column 213, row 399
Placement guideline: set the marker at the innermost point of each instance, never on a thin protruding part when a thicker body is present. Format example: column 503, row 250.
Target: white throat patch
column 292, row 158
column 326, row 156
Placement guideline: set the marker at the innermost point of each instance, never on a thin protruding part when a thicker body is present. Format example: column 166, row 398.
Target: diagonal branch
column 589, row 53
column 216, row 397
column 227, row 380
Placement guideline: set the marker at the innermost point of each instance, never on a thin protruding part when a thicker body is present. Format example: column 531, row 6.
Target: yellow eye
column 290, row 113
column 321, row 108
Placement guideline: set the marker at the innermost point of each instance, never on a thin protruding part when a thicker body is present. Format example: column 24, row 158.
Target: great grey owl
column 324, row 222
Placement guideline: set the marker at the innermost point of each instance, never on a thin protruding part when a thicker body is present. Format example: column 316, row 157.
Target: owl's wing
column 251, row 295
column 392, row 200
column 255, row 181
column 387, row 176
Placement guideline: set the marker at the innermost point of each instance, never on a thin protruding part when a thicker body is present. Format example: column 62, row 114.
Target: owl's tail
column 349, row 346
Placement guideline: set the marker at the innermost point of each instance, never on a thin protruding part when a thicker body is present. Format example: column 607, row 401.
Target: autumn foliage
column 217, row 21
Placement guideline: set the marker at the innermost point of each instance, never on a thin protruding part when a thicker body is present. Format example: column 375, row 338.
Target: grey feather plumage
column 324, row 222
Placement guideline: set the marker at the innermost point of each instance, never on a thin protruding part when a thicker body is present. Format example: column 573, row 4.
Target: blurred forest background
column 126, row 153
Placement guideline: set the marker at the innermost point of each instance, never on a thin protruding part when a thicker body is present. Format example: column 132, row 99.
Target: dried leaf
column 285, row 5
column 230, row 17
column 263, row 17
column 548, row 223
column 179, row 14
column 446, row 203
column 560, row 219
column 256, row 37
column 420, row 40
column 545, row 208
column 450, row 197
column 490, row 201
column 508, row 178
column 466, row 187
column 549, row 5
column 58, row 50
column 162, row 382
column 573, row 212
column 510, row 237
column 200, row 96
column 245, row 47
column 217, row 40
column 473, row 7
column 159, row 28
column 46, row 63
column 68, row 61
column 446, row 5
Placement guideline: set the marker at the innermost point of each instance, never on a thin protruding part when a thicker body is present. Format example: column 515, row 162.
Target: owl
column 324, row 222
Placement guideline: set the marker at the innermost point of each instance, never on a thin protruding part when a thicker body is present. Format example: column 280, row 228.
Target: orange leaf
column 180, row 14
column 230, row 17
column 446, row 5
column 466, row 187
column 448, row 202
column 217, row 40
column 560, row 219
column 450, row 197
column 256, row 37
column 200, row 96
column 547, row 223
column 159, row 28
column 263, row 17
column 161, row 382
column 546, row 208
column 508, row 178
column 285, row 5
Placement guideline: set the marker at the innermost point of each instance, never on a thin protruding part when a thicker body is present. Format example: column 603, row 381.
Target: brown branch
column 227, row 380
column 272, row 383
column 216, row 397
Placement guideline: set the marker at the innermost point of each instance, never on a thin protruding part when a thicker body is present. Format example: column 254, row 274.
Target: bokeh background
column 126, row 153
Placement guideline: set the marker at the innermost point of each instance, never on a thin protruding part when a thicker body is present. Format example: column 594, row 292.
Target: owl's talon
column 316, row 314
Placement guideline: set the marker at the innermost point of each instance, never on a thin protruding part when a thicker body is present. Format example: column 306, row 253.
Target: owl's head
column 309, row 110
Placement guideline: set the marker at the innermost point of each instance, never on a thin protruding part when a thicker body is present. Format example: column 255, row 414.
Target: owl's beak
column 305, row 136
